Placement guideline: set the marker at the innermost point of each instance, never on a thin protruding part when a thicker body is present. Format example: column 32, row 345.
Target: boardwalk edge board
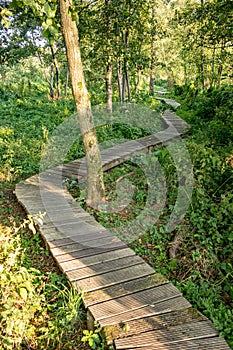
column 136, row 308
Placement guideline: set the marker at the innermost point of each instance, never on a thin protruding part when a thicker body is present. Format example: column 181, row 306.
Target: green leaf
column 23, row 293
column 49, row 22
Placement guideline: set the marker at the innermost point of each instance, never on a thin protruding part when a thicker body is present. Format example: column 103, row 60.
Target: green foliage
column 202, row 264
column 21, row 298
column 38, row 309
column 25, row 128
column 94, row 339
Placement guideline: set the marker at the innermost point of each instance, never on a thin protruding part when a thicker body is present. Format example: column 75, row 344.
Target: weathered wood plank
column 85, row 252
column 163, row 321
column 194, row 344
column 75, row 247
column 58, row 237
column 111, row 278
column 133, row 301
column 102, row 267
column 174, row 304
column 79, row 238
column 174, row 334
column 96, row 259
column 124, row 288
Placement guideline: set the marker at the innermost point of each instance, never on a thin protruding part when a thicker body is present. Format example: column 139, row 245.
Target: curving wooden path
column 137, row 308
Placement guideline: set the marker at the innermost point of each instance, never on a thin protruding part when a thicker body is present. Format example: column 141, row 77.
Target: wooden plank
column 102, row 267
column 174, row 304
column 73, row 229
column 96, row 259
column 174, row 334
column 95, row 243
column 77, row 223
column 79, row 238
column 194, row 344
column 169, row 102
column 58, row 237
column 115, row 277
column 134, row 301
column 124, row 288
column 163, row 321
column 85, row 252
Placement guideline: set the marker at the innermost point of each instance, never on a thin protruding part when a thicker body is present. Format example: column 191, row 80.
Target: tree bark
column 120, row 81
column 125, row 82
column 51, row 93
column 67, row 82
column 108, row 80
column 96, row 192
column 57, row 72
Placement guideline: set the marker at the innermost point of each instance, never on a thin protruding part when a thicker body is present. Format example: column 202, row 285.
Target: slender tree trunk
column 67, row 82
column 120, row 81
column 108, row 80
column 138, row 79
column 96, row 192
column 51, row 93
column 126, row 84
column 57, row 72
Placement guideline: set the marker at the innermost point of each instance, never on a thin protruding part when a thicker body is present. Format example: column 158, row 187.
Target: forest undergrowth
column 39, row 310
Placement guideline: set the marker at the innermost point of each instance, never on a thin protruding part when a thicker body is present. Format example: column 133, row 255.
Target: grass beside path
column 39, row 310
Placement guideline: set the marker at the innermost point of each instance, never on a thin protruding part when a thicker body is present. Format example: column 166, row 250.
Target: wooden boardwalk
column 169, row 102
column 137, row 308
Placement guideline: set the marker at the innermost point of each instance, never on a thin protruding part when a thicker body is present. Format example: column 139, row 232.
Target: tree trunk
column 108, row 80
column 138, row 79
column 120, row 81
column 67, row 82
column 57, row 72
column 51, row 93
column 96, row 192
column 126, row 85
